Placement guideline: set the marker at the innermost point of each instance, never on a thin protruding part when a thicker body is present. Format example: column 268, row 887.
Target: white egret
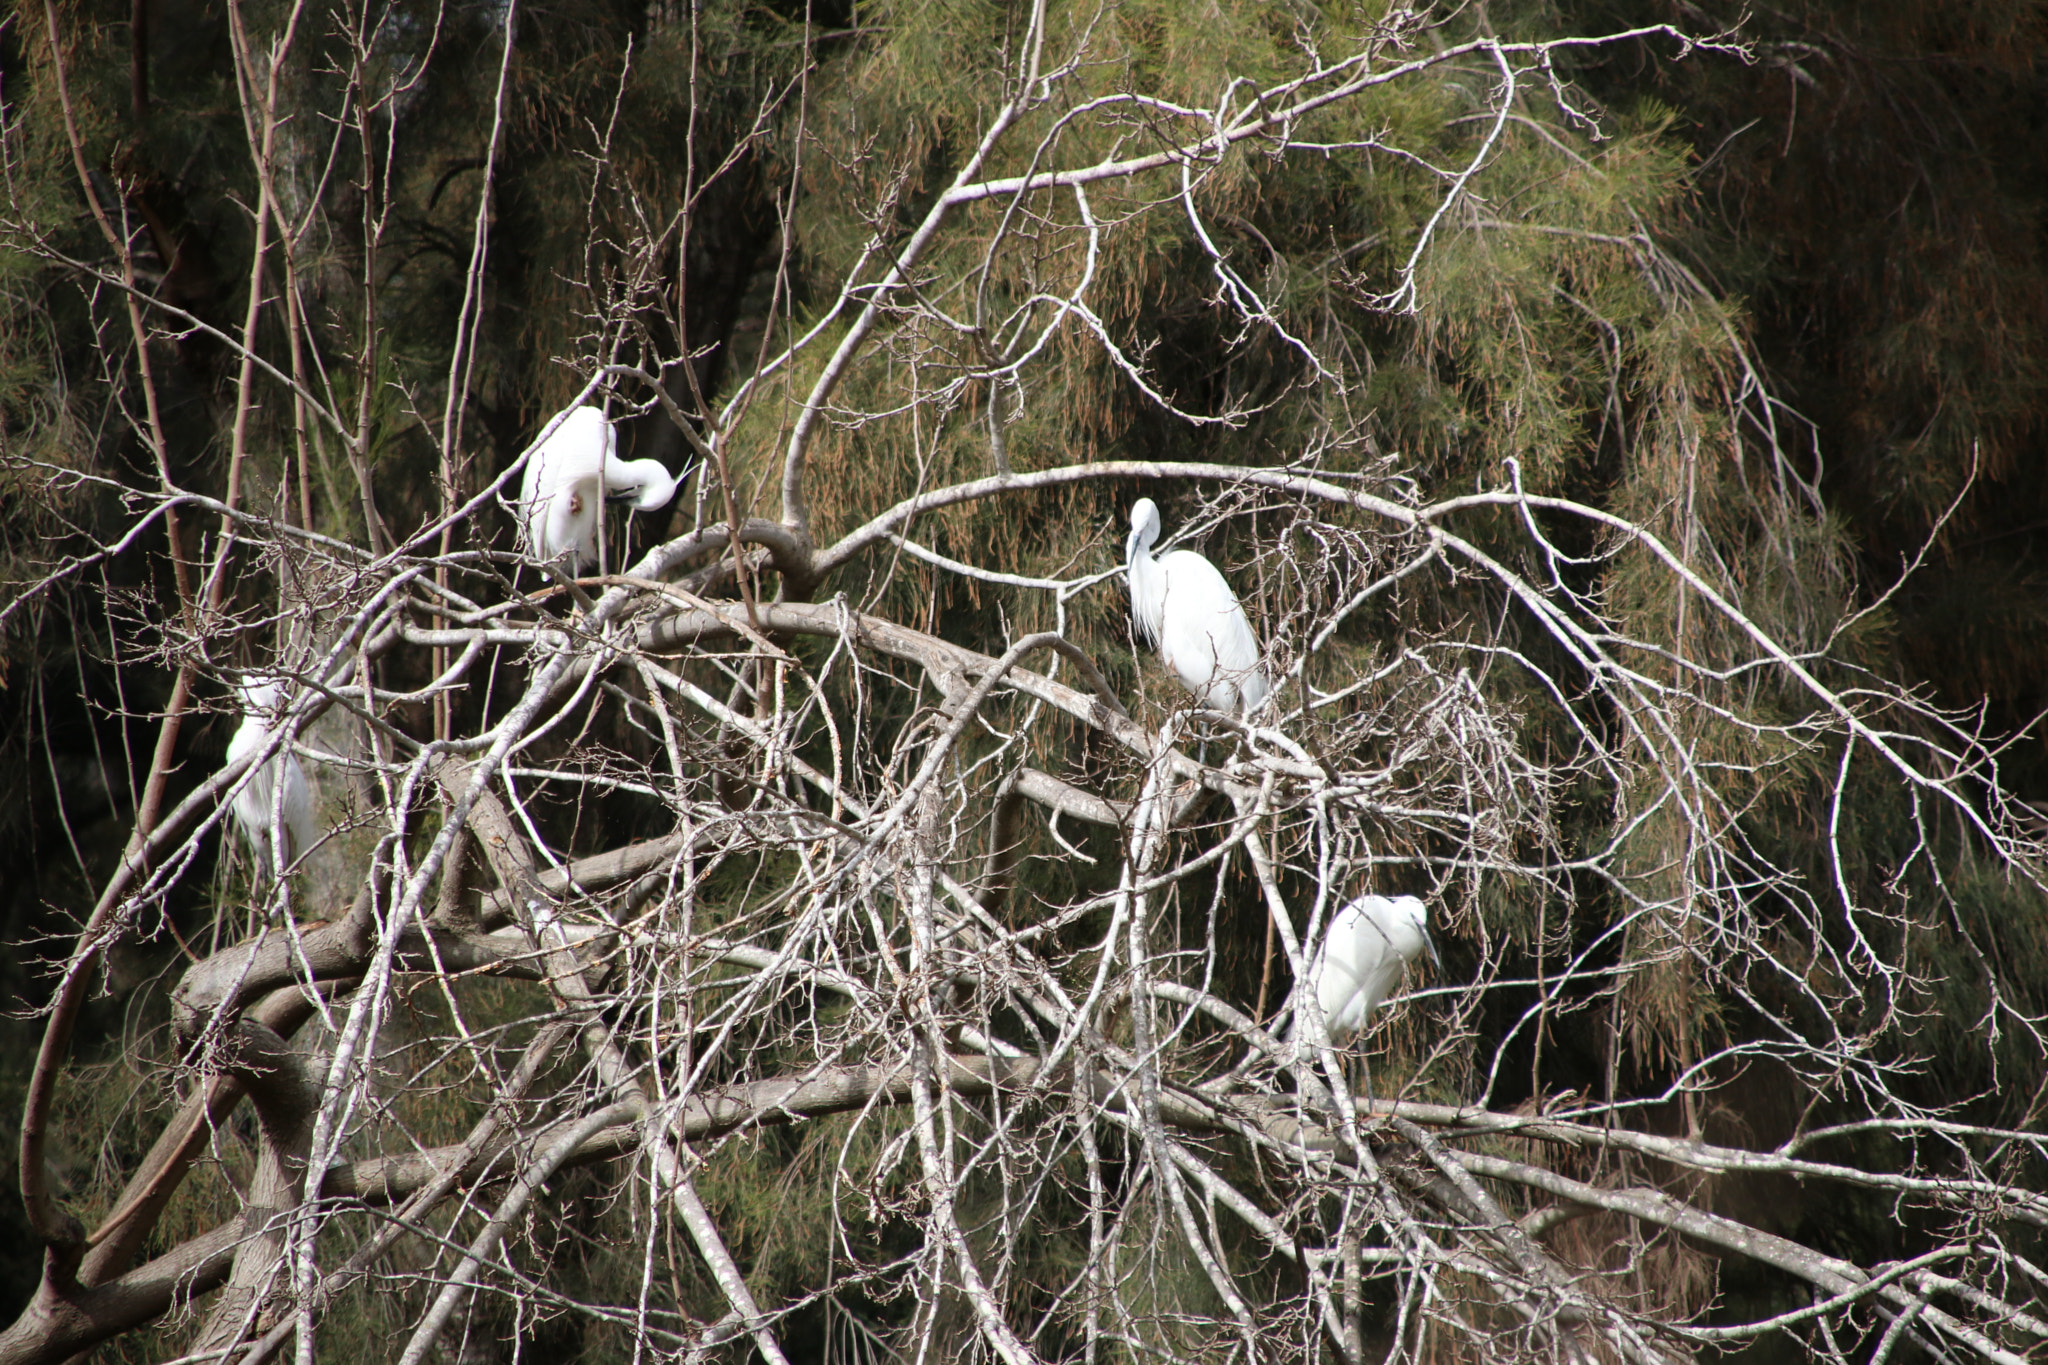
column 258, row 803
column 562, row 494
column 1368, row 944
column 1184, row 606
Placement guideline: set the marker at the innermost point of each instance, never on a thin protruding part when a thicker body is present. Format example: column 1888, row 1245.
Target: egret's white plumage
column 257, row 804
column 1184, row 606
column 562, row 493
column 1368, row 944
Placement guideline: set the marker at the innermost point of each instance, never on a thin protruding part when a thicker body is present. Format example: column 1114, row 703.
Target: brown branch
column 465, row 1164
column 286, row 1095
column 121, row 1233
column 791, row 552
column 57, row 1325
column 1655, row 1207
column 341, row 950
column 64, row 1319
column 1103, row 710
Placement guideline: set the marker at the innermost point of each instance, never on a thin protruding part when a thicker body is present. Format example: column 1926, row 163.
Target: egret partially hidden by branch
column 1369, row 943
column 1184, row 606
column 568, row 479
column 258, row 808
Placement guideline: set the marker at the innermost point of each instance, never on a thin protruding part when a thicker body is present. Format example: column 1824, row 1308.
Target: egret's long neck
column 1410, row 939
column 1138, row 545
column 1148, row 586
column 660, row 489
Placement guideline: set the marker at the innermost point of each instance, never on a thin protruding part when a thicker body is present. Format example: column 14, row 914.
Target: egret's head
column 1409, row 928
column 647, row 484
column 1144, row 528
column 259, row 693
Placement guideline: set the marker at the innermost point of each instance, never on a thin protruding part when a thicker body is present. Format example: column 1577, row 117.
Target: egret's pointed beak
column 1430, row 944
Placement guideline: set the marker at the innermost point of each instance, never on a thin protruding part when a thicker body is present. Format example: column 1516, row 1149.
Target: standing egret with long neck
column 259, row 808
column 1184, row 606
column 568, row 479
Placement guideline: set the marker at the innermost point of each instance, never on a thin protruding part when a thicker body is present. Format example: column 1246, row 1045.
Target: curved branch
column 56, row 1326
column 1426, row 519
column 1104, row 710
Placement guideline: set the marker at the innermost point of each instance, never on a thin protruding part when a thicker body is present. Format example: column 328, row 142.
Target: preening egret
column 1368, row 944
column 561, row 496
column 1183, row 605
column 253, row 805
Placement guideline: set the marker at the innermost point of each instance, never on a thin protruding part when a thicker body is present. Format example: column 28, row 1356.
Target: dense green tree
column 821, row 925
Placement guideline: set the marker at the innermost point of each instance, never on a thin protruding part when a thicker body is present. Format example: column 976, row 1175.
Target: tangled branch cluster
column 1007, row 937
